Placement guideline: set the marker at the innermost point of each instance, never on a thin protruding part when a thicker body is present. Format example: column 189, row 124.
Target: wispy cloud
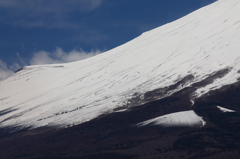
column 44, row 57
column 42, row 13
column 59, row 56
column 4, row 70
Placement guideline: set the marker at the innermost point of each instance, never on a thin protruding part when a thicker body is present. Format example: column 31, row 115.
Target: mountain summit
column 181, row 74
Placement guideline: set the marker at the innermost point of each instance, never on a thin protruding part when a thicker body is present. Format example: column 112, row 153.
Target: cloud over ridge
column 44, row 57
column 59, row 56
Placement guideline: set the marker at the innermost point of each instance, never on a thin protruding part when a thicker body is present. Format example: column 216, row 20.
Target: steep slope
column 202, row 46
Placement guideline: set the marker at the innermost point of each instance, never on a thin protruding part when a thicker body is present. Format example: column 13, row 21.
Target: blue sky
column 57, row 31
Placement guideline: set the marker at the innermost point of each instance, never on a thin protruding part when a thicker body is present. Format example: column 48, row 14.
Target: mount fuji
column 172, row 92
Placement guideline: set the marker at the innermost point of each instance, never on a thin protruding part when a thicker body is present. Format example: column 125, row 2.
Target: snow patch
column 225, row 110
column 179, row 119
column 192, row 102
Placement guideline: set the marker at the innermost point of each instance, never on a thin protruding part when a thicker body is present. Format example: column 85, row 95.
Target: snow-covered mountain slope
column 168, row 58
column 184, row 118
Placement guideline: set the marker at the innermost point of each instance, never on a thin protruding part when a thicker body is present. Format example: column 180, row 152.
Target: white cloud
column 42, row 13
column 44, row 57
column 59, row 56
column 4, row 71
